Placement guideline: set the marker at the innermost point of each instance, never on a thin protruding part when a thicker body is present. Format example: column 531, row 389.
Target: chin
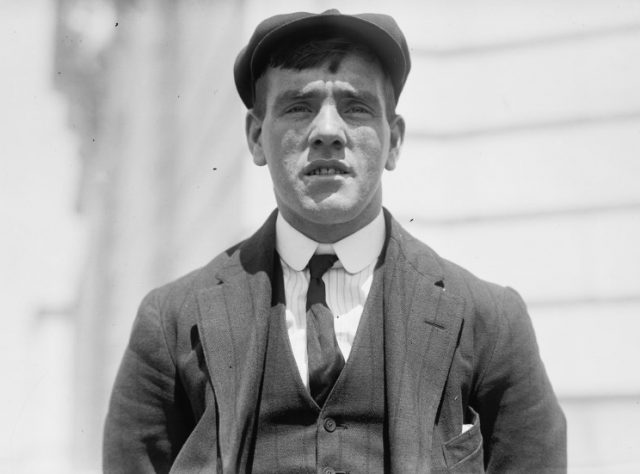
column 334, row 213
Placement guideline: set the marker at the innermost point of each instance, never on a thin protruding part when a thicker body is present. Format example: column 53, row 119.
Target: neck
column 328, row 233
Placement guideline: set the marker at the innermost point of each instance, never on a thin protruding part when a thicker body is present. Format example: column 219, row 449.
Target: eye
column 298, row 108
column 357, row 109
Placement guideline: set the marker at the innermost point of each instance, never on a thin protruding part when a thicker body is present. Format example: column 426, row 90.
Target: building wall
column 162, row 134
column 520, row 163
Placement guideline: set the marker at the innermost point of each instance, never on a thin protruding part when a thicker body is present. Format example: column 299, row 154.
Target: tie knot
column 319, row 264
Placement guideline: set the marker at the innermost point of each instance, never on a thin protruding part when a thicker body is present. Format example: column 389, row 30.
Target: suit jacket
column 458, row 350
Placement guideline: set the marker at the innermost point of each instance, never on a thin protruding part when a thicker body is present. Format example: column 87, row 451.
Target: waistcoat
column 347, row 434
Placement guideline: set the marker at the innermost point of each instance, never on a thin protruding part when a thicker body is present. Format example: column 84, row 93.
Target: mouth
column 326, row 168
column 325, row 172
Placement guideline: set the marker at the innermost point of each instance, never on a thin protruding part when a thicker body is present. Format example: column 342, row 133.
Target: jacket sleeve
column 145, row 426
column 523, row 427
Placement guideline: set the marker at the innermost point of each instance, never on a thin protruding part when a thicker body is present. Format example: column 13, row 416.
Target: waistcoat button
column 330, row 425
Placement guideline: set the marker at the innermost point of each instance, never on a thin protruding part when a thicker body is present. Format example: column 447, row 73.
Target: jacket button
column 330, row 426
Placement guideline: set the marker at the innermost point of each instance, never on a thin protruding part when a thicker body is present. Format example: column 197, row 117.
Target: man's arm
column 145, row 427
column 523, row 426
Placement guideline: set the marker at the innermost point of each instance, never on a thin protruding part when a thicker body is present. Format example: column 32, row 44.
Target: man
column 331, row 340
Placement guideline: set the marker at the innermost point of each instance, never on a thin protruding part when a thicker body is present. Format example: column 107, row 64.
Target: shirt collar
column 355, row 252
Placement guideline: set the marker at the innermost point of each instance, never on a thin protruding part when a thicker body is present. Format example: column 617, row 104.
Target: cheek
column 285, row 171
column 289, row 139
column 372, row 151
column 372, row 136
column 284, row 155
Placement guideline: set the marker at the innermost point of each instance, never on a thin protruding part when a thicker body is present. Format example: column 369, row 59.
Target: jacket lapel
column 421, row 327
column 233, row 323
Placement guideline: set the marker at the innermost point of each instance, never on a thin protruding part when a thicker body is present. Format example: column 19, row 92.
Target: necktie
column 325, row 358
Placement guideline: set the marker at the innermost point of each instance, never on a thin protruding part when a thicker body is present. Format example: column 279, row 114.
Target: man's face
column 326, row 140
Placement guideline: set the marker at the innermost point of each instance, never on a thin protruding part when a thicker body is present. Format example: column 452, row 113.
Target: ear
column 253, row 131
column 396, row 139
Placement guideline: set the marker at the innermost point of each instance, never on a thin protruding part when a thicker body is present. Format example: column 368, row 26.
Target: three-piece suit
column 444, row 375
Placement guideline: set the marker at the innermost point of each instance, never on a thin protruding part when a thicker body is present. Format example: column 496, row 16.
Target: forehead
column 353, row 74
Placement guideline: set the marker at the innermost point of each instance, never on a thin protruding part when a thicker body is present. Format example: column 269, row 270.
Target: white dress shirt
column 347, row 283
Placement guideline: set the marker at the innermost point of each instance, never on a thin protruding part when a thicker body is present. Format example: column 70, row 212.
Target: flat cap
column 377, row 31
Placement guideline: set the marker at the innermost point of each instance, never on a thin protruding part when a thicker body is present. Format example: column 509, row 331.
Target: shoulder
column 172, row 296
column 482, row 298
column 486, row 297
column 497, row 334
column 173, row 308
column 497, row 330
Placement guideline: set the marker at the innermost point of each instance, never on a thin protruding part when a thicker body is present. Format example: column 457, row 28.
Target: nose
column 328, row 129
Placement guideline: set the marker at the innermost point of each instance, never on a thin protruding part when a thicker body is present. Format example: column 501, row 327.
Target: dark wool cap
column 379, row 32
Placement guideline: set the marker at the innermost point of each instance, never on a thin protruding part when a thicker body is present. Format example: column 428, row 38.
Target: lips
column 325, row 172
column 326, row 168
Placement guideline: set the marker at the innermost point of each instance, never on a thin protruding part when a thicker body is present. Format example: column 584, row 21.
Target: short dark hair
column 315, row 52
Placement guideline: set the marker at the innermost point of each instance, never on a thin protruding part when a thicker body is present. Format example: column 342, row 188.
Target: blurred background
column 123, row 165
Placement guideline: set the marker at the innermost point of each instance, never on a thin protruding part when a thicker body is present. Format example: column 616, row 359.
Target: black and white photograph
column 320, row 236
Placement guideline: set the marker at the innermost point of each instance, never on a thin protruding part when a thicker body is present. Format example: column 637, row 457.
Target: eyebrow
column 291, row 96
column 295, row 95
column 364, row 96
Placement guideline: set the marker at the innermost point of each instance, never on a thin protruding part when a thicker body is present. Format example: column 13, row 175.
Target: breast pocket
column 464, row 452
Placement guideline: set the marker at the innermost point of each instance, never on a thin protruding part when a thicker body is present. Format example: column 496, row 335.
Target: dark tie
column 325, row 358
